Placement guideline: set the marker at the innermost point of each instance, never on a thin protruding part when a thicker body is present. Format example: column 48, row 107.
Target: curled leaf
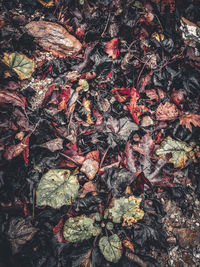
column 111, row 248
column 57, row 187
column 126, row 209
column 80, row 228
column 20, row 63
column 180, row 152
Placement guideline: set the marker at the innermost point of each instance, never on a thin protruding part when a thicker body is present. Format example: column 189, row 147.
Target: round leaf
column 126, row 209
column 111, row 248
column 57, row 188
column 20, row 63
column 80, row 228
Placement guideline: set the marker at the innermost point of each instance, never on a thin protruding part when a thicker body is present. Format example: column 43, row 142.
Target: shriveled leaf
column 80, row 228
column 189, row 119
column 111, row 248
column 57, row 187
column 20, row 63
column 86, row 105
column 54, row 145
column 19, row 232
column 90, row 168
column 112, row 48
column 155, row 94
column 167, row 112
column 180, row 151
column 14, row 151
column 126, row 209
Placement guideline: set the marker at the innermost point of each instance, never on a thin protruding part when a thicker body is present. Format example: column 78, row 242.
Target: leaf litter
column 99, row 142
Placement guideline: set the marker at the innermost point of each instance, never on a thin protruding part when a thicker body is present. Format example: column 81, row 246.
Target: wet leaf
column 189, row 119
column 111, row 248
column 19, row 232
column 126, row 209
column 112, row 48
column 57, row 187
column 179, row 150
column 20, row 63
column 78, row 229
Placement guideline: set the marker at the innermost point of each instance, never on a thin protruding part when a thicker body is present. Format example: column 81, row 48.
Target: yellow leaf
column 46, row 4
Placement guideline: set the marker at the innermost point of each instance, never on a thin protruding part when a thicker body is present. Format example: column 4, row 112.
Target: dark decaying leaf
column 12, row 98
column 19, row 232
column 117, row 180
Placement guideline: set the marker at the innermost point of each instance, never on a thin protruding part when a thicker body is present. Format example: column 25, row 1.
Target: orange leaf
column 191, row 118
column 112, row 48
column 128, row 244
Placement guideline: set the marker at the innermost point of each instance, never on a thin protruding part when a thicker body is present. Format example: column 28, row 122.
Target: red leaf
column 57, row 231
column 112, row 48
column 132, row 104
column 93, row 155
column 26, row 151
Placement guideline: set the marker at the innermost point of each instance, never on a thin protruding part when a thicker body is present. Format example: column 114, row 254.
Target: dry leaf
column 90, row 168
column 191, row 118
column 128, row 244
column 167, row 112
column 53, row 37
column 112, row 48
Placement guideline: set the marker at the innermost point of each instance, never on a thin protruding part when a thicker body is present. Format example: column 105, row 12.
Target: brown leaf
column 155, row 95
column 19, row 232
column 53, row 37
column 54, row 145
column 112, row 48
column 189, row 119
column 89, row 187
column 14, row 150
column 167, row 112
column 12, row 98
column 90, row 168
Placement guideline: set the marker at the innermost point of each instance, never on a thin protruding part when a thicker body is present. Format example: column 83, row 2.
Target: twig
column 104, row 155
column 67, row 157
column 33, row 213
column 102, row 35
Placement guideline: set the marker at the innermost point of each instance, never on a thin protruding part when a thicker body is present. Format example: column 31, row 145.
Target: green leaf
column 179, row 150
column 57, row 188
column 20, row 63
column 111, row 248
column 80, row 228
column 126, row 209
column 84, row 85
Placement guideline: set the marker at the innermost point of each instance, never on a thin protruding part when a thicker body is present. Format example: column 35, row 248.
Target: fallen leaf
column 12, row 98
column 86, row 105
column 53, row 37
column 128, row 244
column 20, row 231
column 20, row 63
column 56, row 188
column 179, row 150
column 188, row 119
column 111, row 248
column 112, row 48
column 54, row 144
column 77, row 229
column 50, row 3
column 14, row 150
column 126, row 210
column 154, row 94
column 90, row 168
column 167, row 112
